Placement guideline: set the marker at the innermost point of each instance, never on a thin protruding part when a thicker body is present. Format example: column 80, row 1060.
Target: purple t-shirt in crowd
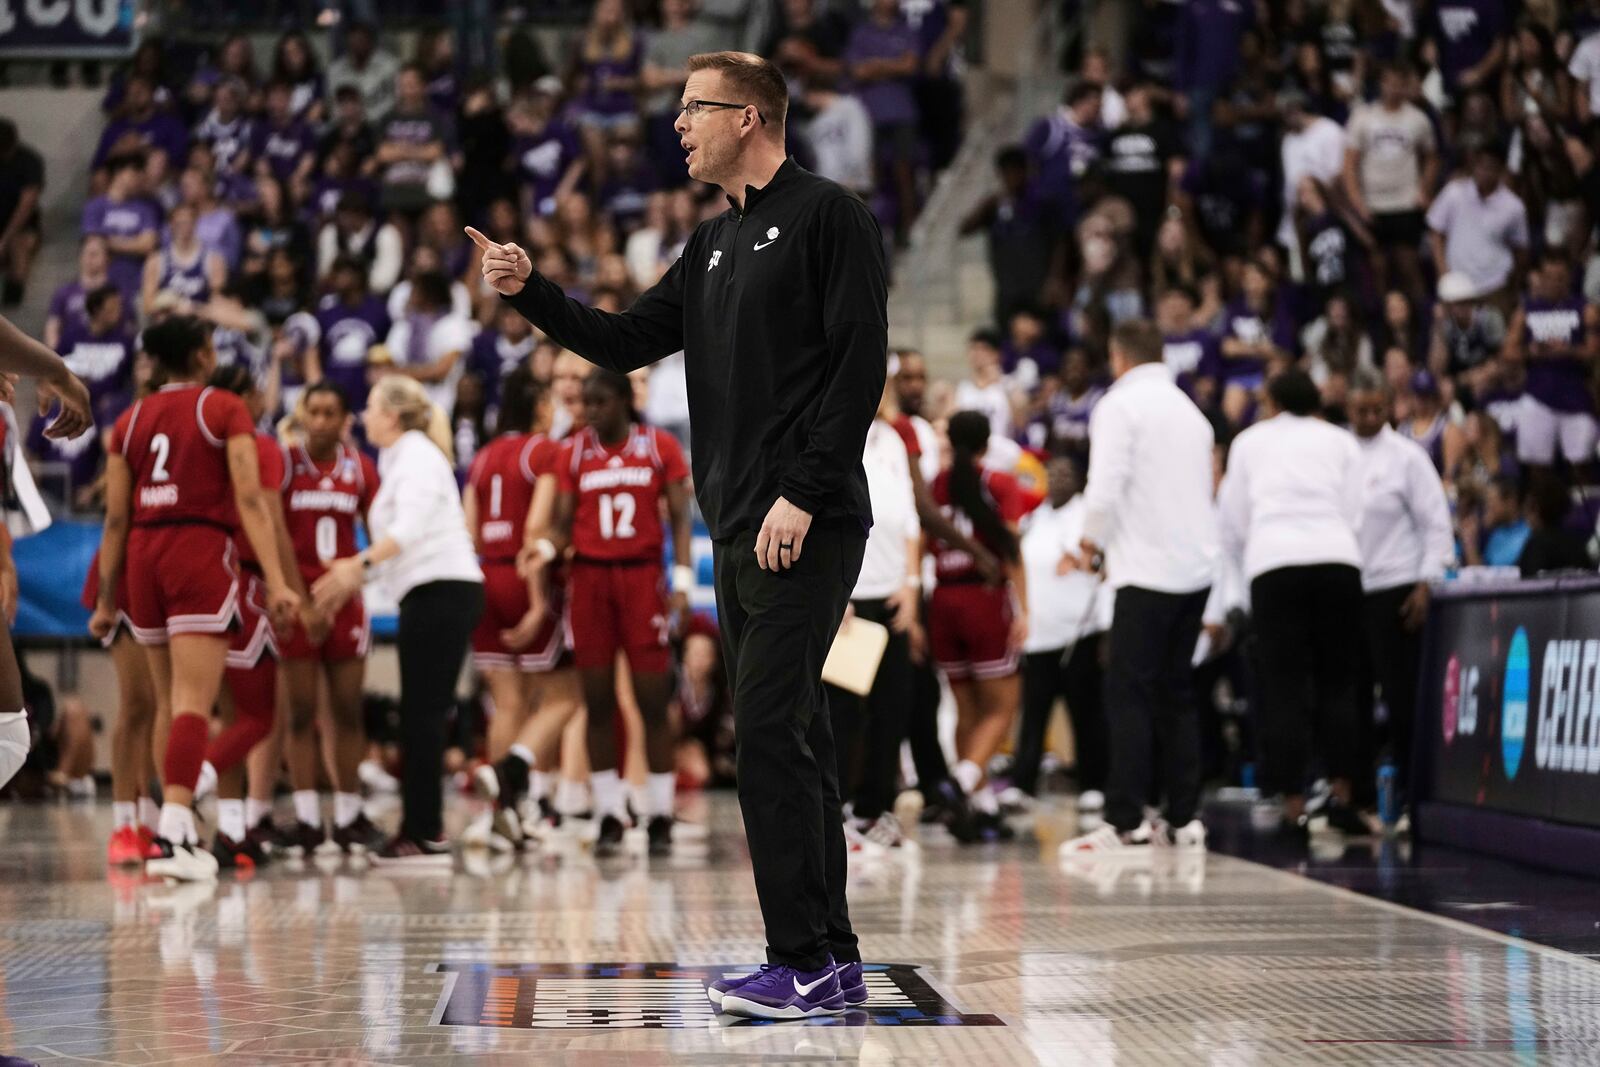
column 623, row 196
column 127, row 218
column 1559, row 383
column 161, row 130
column 69, row 304
column 327, row 193
column 283, row 147
column 105, row 363
column 1209, row 31
column 1241, row 322
column 492, row 358
column 610, row 102
column 888, row 101
column 541, row 160
column 188, row 277
column 219, row 231
column 347, row 333
column 1465, row 31
column 1061, row 151
column 80, row 456
column 1065, row 419
column 228, row 140
column 1045, row 356
column 415, row 129
column 444, row 93
column 1192, row 357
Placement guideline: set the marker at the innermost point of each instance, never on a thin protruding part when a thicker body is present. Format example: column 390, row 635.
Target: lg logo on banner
column 1569, row 723
column 1460, row 707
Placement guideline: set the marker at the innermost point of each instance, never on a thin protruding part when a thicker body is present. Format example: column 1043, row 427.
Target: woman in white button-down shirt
column 423, row 552
column 1290, row 506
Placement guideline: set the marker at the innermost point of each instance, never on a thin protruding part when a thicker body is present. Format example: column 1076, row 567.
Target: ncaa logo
column 1514, row 708
column 1452, row 699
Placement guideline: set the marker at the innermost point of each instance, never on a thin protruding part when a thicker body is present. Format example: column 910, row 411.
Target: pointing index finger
column 483, row 242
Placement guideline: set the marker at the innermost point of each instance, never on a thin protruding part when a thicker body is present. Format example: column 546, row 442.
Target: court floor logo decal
column 655, row 996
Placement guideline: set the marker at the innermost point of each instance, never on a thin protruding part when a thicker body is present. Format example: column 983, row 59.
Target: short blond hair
column 752, row 80
column 415, row 410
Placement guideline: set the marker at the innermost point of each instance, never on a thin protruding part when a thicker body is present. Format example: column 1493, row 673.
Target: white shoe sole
column 715, row 996
column 486, row 782
column 183, row 870
column 734, row 1004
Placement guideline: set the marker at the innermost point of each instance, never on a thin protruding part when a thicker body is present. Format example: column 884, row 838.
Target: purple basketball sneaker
column 852, row 986
column 784, row 993
column 723, row 986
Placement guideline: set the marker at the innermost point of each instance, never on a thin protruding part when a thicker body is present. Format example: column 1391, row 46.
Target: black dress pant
column 1394, row 655
column 1148, row 696
column 777, row 627
column 868, row 731
column 436, row 623
column 1307, row 622
column 1080, row 682
column 922, row 732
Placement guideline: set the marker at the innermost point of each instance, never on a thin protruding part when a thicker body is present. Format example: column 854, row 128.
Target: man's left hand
column 782, row 536
column 1414, row 610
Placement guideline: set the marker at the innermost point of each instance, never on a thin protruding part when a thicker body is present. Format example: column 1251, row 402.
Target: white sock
column 230, row 819
column 538, row 785
column 256, row 810
column 523, row 753
column 984, row 800
column 123, row 813
column 177, row 824
column 207, row 783
column 149, row 813
column 607, row 789
column 346, row 809
column 14, row 743
column 570, row 799
column 308, row 807
column 661, row 788
column 968, row 774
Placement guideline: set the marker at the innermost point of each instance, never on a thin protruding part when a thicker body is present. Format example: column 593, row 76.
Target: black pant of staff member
column 779, row 305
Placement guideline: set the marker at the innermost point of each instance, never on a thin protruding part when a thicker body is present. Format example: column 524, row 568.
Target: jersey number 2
column 161, row 445
column 616, row 515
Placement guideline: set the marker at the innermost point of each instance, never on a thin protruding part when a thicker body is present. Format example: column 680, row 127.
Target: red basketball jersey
column 502, row 476
column 175, row 440
column 1004, row 493
column 619, row 492
column 269, row 457
column 321, row 504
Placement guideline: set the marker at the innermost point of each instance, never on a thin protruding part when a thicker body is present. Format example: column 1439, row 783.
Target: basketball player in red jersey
column 975, row 628
column 612, row 477
column 21, row 355
column 183, row 468
column 330, row 486
column 253, row 654
column 519, row 646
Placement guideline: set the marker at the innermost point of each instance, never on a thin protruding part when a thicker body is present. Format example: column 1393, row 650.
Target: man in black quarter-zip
column 779, row 305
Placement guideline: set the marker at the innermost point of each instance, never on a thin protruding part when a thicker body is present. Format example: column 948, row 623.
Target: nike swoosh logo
column 759, row 247
column 805, row 990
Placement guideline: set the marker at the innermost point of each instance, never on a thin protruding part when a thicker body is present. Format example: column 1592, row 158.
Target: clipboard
column 852, row 662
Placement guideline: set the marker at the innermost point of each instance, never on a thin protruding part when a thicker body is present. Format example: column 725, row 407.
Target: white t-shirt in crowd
column 1479, row 232
column 1314, row 152
column 841, row 139
column 668, row 402
column 1292, row 496
column 994, row 400
column 1585, row 66
column 450, row 333
column 1058, row 604
column 1390, row 144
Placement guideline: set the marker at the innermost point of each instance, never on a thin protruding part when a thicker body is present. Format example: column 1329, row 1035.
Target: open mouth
column 688, row 150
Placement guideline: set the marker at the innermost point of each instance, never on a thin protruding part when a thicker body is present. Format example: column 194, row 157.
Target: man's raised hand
column 506, row 267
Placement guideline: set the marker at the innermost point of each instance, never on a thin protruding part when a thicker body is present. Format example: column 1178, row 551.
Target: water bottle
column 1388, row 797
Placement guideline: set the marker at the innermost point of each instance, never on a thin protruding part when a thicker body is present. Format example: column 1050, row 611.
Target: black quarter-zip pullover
column 781, row 312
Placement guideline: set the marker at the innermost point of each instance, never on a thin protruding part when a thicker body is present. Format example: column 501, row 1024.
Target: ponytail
column 969, row 436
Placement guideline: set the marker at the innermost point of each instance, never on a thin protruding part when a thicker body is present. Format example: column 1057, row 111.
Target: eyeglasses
column 698, row 107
